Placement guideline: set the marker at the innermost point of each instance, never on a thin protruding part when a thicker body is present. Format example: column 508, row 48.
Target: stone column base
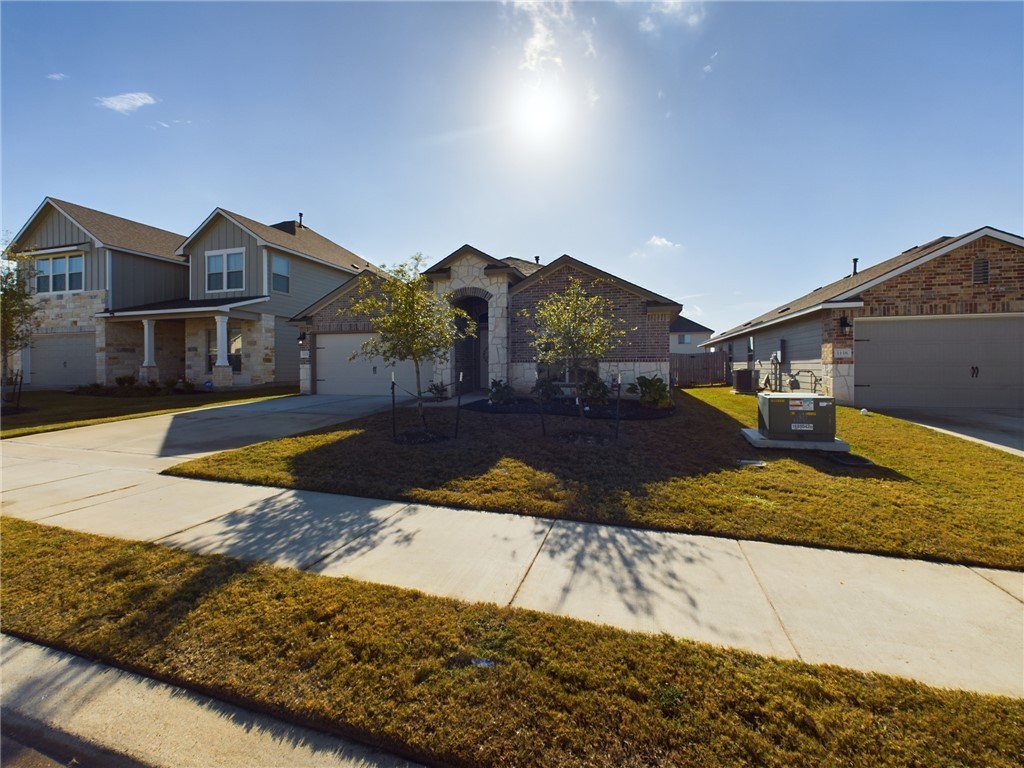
column 222, row 376
column 148, row 373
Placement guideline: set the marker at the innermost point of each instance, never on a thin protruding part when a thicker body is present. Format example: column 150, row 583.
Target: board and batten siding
column 139, row 280
column 801, row 358
column 55, row 230
column 309, row 281
column 218, row 235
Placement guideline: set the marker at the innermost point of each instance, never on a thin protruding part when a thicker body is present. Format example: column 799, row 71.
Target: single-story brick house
column 120, row 298
column 493, row 292
column 941, row 324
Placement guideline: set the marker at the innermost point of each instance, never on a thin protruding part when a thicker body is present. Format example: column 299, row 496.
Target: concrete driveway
column 180, row 436
column 1001, row 428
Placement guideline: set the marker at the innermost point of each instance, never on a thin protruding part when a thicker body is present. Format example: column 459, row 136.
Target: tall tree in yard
column 17, row 308
column 409, row 320
column 574, row 327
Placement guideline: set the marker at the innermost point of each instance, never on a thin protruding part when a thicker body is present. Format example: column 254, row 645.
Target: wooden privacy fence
column 699, row 368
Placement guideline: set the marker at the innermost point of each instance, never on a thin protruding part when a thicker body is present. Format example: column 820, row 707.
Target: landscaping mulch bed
column 628, row 410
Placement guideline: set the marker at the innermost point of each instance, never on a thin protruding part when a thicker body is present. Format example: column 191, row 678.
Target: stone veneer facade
column 468, row 277
column 258, row 360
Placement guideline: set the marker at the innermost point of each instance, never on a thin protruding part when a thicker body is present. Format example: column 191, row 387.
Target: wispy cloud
column 657, row 241
column 708, row 69
column 688, row 12
column 542, row 47
column 56, row 76
column 656, row 247
column 126, row 103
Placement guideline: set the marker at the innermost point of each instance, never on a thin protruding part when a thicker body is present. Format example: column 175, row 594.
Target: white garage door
column 336, row 375
column 947, row 361
column 62, row 359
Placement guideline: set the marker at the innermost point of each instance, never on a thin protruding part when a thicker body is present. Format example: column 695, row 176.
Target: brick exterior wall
column 336, row 317
column 647, row 343
column 942, row 286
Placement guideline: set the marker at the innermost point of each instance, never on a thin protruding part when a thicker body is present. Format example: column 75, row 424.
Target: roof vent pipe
column 537, row 259
column 300, row 227
column 854, row 264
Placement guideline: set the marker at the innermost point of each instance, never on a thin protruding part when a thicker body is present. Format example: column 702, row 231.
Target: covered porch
column 212, row 343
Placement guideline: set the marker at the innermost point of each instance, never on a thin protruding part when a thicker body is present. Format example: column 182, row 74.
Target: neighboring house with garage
column 687, row 335
column 122, row 298
column 87, row 263
column 495, row 293
column 941, row 324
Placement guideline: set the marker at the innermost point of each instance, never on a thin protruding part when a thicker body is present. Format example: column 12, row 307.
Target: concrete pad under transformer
column 293, row 529
column 696, row 587
column 473, row 556
column 915, row 619
column 758, row 440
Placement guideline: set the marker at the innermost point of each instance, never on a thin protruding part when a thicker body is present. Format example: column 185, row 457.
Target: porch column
column 222, row 374
column 147, row 343
column 222, row 339
column 148, row 372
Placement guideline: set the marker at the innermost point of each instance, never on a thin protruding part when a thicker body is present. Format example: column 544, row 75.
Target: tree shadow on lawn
column 505, row 463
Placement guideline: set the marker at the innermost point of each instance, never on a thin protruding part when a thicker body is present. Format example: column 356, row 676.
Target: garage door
column 947, row 361
column 62, row 359
column 336, row 375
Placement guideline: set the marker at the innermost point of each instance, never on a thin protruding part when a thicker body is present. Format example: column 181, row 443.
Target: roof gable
column 848, row 288
column 291, row 237
column 461, row 252
column 653, row 299
column 683, row 324
column 115, row 232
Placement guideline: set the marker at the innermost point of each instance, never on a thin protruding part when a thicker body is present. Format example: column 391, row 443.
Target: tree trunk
column 419, row 393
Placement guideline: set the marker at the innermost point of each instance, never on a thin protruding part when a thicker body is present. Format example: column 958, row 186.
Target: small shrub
column 653, row 391
column 91, row 389
column 438, row 390
column 126, row 382
column 188, row 386
column 594, row 390
column 546, row 390
column 502, row 393
column 153, row 386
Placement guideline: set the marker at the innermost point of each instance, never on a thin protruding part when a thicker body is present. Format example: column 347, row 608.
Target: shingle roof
column 298, row 238
column 123, row 234
column 524, row 266
column 685, row 325
column 847, row 286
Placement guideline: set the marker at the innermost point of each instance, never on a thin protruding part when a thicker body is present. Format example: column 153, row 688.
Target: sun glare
column 540, row 114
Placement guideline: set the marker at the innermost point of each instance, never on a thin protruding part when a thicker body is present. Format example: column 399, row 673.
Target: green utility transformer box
column 796, row 416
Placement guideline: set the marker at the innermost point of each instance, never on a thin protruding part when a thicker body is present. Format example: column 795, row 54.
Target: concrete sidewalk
column 945, row 625
column 111, row 718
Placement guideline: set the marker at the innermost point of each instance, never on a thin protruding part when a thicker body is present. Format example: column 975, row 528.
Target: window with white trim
column 225, row 270
column 60, row 273
column 279, row 274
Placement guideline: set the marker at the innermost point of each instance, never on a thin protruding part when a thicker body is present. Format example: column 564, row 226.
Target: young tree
column 410, row 321
column 17, row 308
column 574, row 327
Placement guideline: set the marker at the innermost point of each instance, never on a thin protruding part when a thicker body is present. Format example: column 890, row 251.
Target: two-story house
column 211, row 307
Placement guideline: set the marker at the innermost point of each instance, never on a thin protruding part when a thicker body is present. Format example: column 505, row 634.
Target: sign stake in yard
column 458, row 405
column 394, row 427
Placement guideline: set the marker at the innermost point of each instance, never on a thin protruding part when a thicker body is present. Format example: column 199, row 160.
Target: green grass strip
column 404, row 671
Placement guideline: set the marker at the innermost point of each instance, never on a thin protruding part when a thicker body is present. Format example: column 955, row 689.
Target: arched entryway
column 470, row 356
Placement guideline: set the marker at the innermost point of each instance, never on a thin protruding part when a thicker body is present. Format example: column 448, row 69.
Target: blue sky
column 729, row 155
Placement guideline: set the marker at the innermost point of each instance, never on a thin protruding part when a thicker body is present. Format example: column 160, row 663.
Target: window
column 234, row 348
column 60, row 273
column 683, row 338
column 225, row 270
column 279, row 279
column 980, row 271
